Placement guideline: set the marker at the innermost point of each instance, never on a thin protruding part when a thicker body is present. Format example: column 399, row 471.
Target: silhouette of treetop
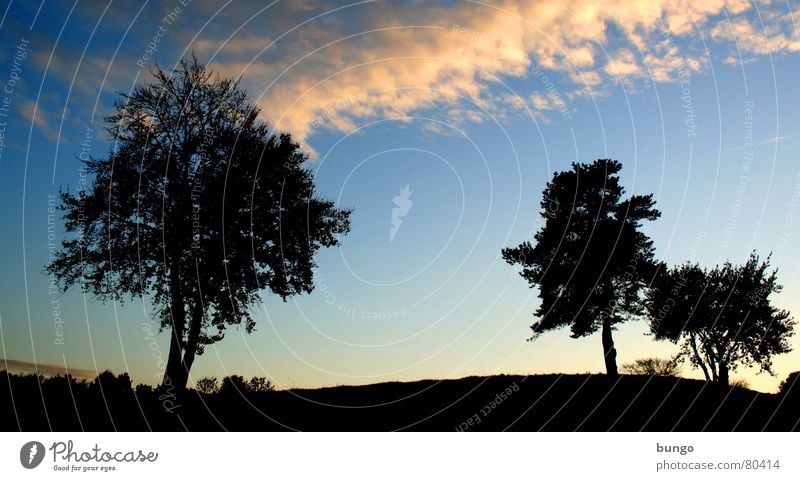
column 199, row 206
column 590, row 260
column 722, row 317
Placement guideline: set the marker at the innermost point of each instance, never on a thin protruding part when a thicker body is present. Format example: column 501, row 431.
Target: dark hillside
column 521, row 403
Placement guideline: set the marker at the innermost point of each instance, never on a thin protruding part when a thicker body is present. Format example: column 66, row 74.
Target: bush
column 791, row 384
column 107, row 381
column 144, row 390
column 260, row 384
column 237, row 384
column 740, row 383
column 653, row 366
column 233, row 385
column 207, row 385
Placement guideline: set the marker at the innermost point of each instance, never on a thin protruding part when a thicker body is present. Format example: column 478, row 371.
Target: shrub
column 207, row 385
column 740, row 383
column 653, row 366
column 232, row 385
column 144, row 390
column 791, row 384
column 260, row 384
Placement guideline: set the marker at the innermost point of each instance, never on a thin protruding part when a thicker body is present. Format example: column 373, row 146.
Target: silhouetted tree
column 653, row 366
column 200, row 207
column 722, row 317
column 207, row 385
column 260, row 384
column 233, row 385
column 740, row 383
column 590, row 260
column 144, row 390
column 108, row 381
column 790, row 384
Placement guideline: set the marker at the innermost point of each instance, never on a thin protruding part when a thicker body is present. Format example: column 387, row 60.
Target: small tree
column 260, row 384
column 144, row 390
column 233, row 385
column 200, row 207
column 590, row 260
column 790, row 384
column 114, row 384
column 740, row 383
column 722, row 317
column 653, row 366
column 207, row 385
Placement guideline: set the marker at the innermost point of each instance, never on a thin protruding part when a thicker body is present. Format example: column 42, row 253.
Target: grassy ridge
column 524, row 403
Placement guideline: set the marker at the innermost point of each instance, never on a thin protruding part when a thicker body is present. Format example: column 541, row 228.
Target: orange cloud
column 623, row 65
column 25, row 367
column 770, row 39
column 391, row 60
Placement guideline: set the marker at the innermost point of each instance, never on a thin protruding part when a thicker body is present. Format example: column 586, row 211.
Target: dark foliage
column 791, row 385
column 207, row 385
column 722, row 317
column 237, row 385
column 590, row 260
column 200, row 207
column 653, row 366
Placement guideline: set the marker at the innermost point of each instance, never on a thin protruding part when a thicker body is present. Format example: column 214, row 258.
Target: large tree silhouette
column 722, row 317
column 590, row 260
column 198, row 206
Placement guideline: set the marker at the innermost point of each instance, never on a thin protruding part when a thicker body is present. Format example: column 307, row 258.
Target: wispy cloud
column 320, row 66
column 25, row 367
column 771, row 35
column 468, row 49
column 786, row 140
column 45, row 122
column 772, row 140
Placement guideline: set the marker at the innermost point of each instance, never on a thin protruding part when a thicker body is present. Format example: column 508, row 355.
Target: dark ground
column 526, row 403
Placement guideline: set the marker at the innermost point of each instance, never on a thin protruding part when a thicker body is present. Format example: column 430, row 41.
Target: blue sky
column 473, row 106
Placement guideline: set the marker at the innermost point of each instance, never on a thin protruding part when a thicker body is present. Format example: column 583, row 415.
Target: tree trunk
column 173, row 369
column 724, row 376
column 178, row 315
column 609, row 353
column 190, row 350
column 698, row 358
column 713, row 366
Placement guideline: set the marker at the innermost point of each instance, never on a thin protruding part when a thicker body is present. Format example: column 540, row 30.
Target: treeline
column 107, row 402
